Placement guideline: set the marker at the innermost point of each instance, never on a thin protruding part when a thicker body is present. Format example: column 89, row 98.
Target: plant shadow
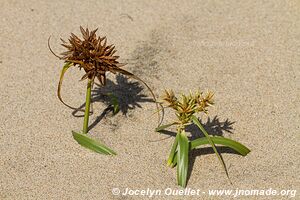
column 215, row 127
column 129, row 95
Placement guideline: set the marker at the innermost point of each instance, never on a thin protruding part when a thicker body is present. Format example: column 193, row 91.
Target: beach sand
column 247, row 52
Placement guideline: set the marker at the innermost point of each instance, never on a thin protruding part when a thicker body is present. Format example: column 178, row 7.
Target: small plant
column 96, row 58
column 186, row 109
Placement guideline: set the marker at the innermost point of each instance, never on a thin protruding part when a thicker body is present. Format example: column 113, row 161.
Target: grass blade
column 238, row 147
column 183, row 157
column 161, row 128
column 196, row 121
column 174, row 162
column 91, row 144
column 173, row 152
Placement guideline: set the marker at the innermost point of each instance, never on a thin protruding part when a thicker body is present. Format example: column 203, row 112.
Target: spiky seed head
column 170, row 98
column 188, row 105
column 92, row 54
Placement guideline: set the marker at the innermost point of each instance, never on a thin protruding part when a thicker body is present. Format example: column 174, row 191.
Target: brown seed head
column 96, row 58
column 170, row 98
column 92, row 54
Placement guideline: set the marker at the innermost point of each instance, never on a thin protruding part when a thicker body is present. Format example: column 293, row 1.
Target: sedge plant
column 186, row 109
column 96, row 58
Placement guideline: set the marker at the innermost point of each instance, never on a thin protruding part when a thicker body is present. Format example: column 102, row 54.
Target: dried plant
column 96, row 58
column 186, row 107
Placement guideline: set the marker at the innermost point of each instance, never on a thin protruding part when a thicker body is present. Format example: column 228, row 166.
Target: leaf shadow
column 128, row 93
column 214, row 126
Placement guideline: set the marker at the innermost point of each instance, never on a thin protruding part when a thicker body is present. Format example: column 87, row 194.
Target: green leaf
column 196, row 121
column 161, row 128
column 91, row 144
column 173, row 151
column 174, row 162
column 238, row 147
column 115, row 103
column 183, row 158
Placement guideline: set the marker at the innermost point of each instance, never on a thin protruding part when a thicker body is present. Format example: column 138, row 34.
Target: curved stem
column 87, row 106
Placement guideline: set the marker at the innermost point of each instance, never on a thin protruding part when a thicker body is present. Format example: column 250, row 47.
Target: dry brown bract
column 93, row 55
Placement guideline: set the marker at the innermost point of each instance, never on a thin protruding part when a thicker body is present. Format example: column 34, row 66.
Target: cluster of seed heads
column 188, row 105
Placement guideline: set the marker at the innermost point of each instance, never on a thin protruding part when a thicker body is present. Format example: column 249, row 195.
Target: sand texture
column 247, row 52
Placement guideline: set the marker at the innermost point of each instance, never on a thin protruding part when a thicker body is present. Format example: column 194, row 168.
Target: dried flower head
column 93, row 55
column 188, row 105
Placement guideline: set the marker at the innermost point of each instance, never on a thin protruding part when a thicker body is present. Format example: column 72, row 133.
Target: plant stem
column 87, row 107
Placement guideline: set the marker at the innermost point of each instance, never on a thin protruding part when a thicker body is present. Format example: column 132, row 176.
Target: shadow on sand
column 128, row 93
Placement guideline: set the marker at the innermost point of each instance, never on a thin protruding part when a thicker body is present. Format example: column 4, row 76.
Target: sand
column 247, row 52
